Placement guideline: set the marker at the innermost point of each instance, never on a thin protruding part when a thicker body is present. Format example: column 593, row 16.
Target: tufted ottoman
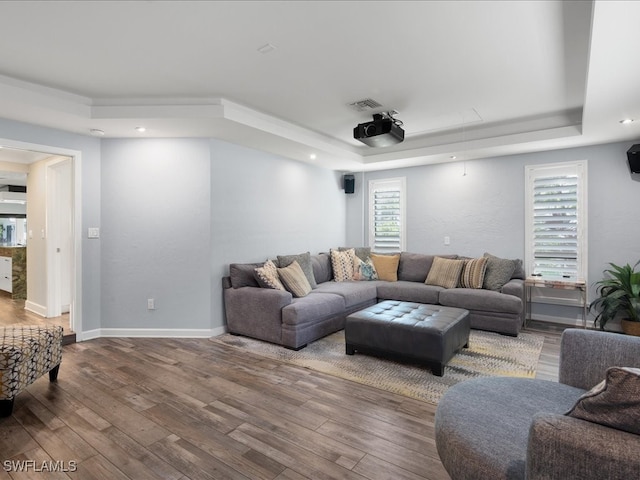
column 428, row 334
column 26, row 353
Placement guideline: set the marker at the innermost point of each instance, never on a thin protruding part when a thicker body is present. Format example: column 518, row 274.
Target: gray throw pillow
column 242, row 274
column 304, row 260
column 614, row 402
column 499, row 272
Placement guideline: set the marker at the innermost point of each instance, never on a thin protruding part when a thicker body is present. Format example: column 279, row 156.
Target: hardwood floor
column 12, row 312
column 191, row 409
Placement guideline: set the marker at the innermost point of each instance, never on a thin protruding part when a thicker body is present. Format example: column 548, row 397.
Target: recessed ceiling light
column 626, row 121
column 313, row 156
column 97, row 132
column 141, row 129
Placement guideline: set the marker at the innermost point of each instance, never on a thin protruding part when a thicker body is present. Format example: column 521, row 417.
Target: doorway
column 53, row 233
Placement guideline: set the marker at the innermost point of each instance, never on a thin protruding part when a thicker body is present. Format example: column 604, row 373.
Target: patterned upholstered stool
column 26, row 353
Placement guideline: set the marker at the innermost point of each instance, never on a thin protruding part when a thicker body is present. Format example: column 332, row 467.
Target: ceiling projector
column 383, row 131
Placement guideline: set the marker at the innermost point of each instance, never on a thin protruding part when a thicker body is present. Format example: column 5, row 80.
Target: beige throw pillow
column 294, row 280
column 445, row 272
column 267, row 276
column 386, row 266
column 342, row 264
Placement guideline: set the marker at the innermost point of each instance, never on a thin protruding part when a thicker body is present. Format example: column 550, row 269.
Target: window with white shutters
column 556, row 221
column 387, row 230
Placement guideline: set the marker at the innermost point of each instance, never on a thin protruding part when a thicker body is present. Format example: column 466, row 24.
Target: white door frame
column 75, row 306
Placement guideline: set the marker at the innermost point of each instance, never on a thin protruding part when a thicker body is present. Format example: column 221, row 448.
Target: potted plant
column 619, row 296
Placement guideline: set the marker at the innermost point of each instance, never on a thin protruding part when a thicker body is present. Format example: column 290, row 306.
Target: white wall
column 263, row 206
column 155, row 234
column 484, row 210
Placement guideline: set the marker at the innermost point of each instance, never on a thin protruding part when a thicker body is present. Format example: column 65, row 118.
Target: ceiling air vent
column 365, row 105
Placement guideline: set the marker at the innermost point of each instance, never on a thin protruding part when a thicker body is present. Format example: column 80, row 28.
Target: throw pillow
column 243, row 275
column 473, row 272
column 267, row 276
column 386, row 266
column 614, row 402
column 361, row 252
column 499, row 272
column 342, row 263
column 304, row 260
column 445, row 272
column 364, row 269
column 294, row 279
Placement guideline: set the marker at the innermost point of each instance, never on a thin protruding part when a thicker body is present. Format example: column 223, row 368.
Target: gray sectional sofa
column 278, row 317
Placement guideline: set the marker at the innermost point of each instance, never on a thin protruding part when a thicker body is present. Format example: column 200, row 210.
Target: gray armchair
column 514, row 428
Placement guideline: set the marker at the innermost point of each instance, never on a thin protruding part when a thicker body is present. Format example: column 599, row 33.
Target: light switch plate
column 93, row 232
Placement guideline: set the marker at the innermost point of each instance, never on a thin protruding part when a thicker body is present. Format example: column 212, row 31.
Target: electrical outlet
column 447, row 240
column 151, row 304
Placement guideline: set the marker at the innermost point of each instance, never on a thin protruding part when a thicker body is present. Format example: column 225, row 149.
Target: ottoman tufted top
column 412, row 315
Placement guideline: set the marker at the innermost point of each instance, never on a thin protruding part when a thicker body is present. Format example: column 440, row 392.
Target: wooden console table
column 580, row 285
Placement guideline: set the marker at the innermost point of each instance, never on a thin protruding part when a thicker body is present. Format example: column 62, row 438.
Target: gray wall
column 484, row 210
column 176, row 212
column 155, row 233
column 263, row 206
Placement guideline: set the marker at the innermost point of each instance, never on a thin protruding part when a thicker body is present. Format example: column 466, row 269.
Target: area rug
column 489, row 354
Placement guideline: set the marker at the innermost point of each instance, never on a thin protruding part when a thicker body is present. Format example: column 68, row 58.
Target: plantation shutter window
column 387, row 215
column 556, row 221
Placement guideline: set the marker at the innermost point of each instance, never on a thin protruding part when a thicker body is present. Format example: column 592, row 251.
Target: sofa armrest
column 585, row 355
column 256, row 312
column 566, row 447
column 514, row 287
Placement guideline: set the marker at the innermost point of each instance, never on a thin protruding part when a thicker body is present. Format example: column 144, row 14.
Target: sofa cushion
column 243, row 274
column 304, row 260
column 480, row 299
column 414, row 267
column 294, row 280
column 386, row 266
column 353, row 293
column 321, row 264
column 342, row 264
column 614, row 402
column 267, row 276
column 404, row 291
column 473, row 272
column 445, row 272
column 313, row 308
column 499, row 272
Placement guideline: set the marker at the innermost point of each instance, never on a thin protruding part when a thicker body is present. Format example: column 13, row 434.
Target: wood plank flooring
column 187, row 409
column 12, row 312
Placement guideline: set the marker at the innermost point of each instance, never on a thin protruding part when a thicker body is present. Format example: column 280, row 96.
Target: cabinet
column 6, row 274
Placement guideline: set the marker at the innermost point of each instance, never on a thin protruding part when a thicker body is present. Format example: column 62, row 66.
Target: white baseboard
column 35, row 308
column 150, row 333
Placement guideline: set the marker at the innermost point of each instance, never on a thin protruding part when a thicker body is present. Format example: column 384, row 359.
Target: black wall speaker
column 633, row 155
column 349, row 182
